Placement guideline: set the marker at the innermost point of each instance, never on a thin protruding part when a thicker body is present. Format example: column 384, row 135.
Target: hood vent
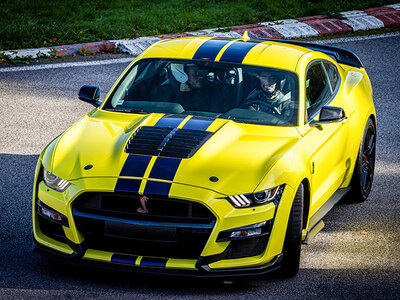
column 161, row 141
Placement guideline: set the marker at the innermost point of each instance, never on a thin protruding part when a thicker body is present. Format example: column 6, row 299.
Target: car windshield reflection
column 239, row 92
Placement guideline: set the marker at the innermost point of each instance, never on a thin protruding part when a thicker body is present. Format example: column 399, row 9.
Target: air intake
column 160, row 141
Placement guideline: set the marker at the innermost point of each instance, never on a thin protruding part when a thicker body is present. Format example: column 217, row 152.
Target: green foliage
column 27, row 23
column 53, row 53
column 41, row 55
column 82, row 51
column 8, row 59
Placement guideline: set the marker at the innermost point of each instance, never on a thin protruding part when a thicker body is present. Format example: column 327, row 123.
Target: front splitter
column 204, row 271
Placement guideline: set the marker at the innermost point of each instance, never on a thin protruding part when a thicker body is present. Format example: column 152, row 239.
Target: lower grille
column 247, row 247
column 171, row 228
column 51, row 229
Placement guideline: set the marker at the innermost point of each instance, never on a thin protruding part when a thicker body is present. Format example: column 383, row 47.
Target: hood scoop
column 167, row 142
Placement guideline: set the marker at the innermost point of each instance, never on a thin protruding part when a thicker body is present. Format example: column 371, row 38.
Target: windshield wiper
column 134, row 111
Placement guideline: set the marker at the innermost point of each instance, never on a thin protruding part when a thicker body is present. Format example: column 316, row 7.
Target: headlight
column 54, row 182
column 258, row 198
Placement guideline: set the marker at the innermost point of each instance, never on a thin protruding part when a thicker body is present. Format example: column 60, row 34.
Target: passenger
column 195, row 79
column 186, row 86
column 270, row 92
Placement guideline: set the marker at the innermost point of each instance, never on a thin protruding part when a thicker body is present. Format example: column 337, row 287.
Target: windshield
column 242, row 93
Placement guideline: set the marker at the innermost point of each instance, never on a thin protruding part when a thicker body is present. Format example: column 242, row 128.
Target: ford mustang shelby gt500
column 209, row 157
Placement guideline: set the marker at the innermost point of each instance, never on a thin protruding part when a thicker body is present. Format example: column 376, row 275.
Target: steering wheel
column 264, row 106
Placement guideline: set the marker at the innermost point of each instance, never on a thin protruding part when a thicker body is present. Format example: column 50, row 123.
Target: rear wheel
column 292, row 245
column 363, row 175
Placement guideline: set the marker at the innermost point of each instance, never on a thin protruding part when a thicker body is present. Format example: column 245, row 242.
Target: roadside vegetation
column 46, row 23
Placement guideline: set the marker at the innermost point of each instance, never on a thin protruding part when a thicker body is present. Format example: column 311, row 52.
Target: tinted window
column 332, row 75
column 318, row 89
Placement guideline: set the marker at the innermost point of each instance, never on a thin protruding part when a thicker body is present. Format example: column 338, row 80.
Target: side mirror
column 90, row 94
column 329, row 114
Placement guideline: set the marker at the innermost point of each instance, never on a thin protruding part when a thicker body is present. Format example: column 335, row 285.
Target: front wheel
column 292, row 245
column 363, row 175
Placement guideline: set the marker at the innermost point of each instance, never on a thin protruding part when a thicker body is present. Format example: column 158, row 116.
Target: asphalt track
column 357, row 255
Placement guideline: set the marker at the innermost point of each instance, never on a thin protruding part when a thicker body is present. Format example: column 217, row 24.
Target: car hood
column 237, row 155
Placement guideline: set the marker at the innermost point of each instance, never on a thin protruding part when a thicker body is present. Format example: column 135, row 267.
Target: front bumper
column 211, row 263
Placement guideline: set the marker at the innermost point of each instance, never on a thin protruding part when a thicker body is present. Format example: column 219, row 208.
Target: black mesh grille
column 51, row 229
column 247, row 247
column 171, row 228
column 160, row 141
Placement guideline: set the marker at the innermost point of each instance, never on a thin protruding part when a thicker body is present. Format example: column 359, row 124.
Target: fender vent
column 161, row 141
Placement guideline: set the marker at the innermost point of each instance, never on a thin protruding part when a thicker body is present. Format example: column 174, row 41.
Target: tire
column 363, row 174
column 292, row 245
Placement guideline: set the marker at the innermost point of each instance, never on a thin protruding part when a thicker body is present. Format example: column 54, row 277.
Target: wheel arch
column 373, row 118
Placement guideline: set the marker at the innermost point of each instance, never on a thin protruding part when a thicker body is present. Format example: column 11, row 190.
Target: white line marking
column 130, row 59
column 68, row 65
column 357, row 38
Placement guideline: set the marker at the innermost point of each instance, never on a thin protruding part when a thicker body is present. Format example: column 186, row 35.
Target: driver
column 270, row 92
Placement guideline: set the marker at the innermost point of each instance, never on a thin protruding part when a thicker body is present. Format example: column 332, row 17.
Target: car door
column 324, row 145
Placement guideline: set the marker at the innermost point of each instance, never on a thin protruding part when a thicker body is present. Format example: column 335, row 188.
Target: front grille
column 160, row 141
column 160, row 209
column 171, row 227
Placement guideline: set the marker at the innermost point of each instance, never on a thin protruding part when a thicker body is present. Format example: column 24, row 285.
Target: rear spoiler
column 341, row 55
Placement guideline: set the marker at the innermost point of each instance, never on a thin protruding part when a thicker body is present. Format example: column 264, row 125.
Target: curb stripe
column 124, row 259
column 153, row 262
column 210, row 49
column 170, row 121
column 198, row 123
column 236, row 52
column 127, row 185
column 135, row 165
column 157, row 188
column 165, row 168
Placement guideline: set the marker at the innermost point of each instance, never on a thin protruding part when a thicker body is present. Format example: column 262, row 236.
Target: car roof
column 254, row 52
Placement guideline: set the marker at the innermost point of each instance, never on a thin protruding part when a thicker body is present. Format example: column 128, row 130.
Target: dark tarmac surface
column 340, row 262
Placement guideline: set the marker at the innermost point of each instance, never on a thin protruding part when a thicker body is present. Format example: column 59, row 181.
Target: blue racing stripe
column 165, row 168
column 157, row 188
column 170, row 121
column 153, row 262
column 127, row 185
column 236, row 52
column 135, row 165
column 210, row 49
column 124, row 259
column 198, row 123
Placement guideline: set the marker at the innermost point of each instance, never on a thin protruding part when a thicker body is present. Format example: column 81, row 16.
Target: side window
column 318, row 88
column 332, row 74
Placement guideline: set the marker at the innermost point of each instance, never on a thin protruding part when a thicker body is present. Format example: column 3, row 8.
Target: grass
column 7, row 59
column 46, row 23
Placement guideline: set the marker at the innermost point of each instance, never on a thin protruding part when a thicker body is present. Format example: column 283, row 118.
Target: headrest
column 178, row 72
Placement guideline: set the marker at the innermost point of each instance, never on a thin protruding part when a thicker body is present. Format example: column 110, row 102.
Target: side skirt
column 316, row 219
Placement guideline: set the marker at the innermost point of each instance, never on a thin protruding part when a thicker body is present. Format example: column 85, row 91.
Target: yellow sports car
column 209, row 157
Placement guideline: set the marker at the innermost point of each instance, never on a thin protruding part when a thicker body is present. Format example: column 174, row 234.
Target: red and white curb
column 129, row 59
column 356, row 20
